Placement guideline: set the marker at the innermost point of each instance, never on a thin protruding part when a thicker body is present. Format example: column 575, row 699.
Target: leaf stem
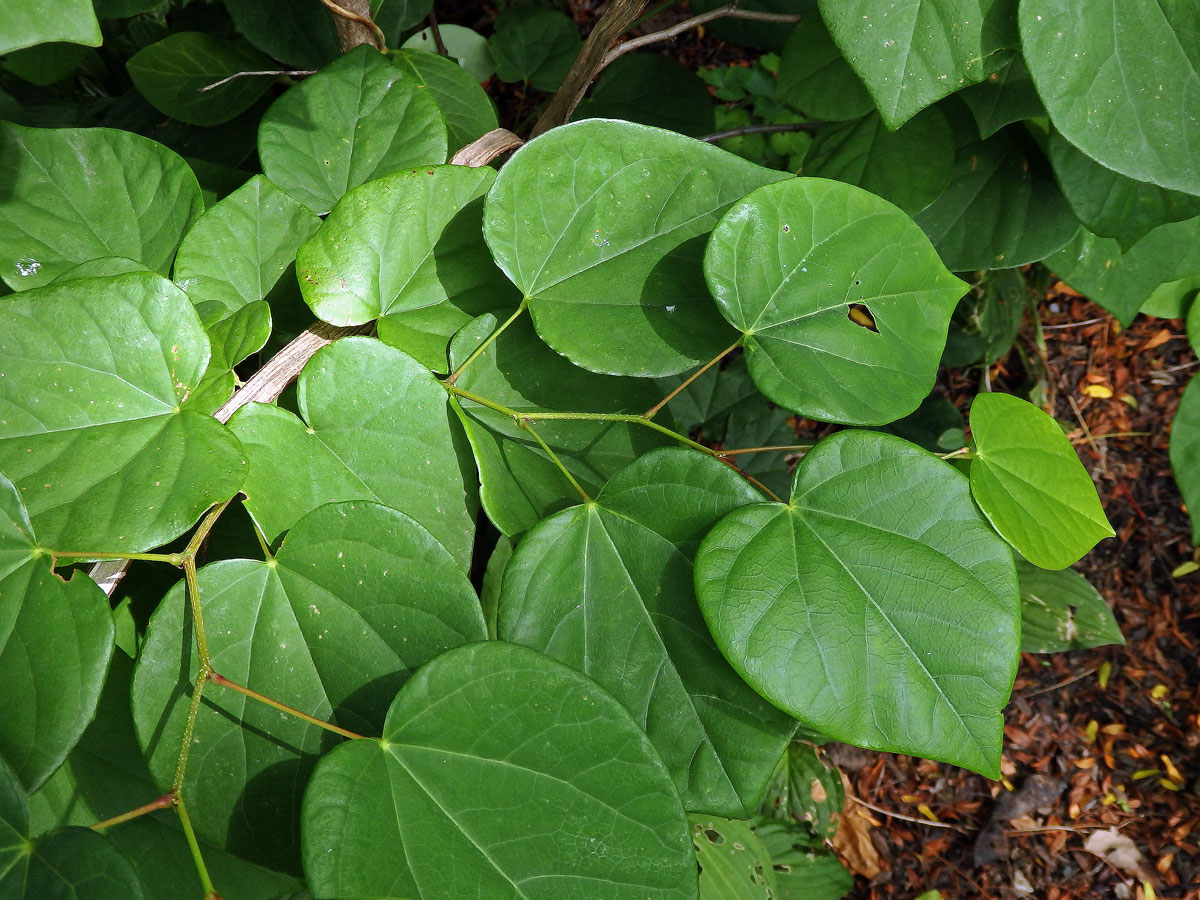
column 754, row 481
column 554, row 459
column 654, row 410
column 262, row 542
column 206, row 525
column 173, row 559
column 729, row 10
column 963, row 452
column 194, row 846
column 739, row 450
column 202, row 675
column 161, row 803
column 478, row 351
column 217, row 678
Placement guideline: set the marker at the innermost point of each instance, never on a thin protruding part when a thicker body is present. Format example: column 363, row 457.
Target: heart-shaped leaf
column 609, row 252
column 534, row 45
column 294, row 33
column 809, row 604
column 74, row 194
column 501, row 773
column 1027, row 479
column 357, row 119
column 606, row 588
column 72, row 863
column 376, row 426
column 792, row 263
column 468, row 111
column 109, row 362
column 44, row 617
column 1060, row 610
column 358, row 597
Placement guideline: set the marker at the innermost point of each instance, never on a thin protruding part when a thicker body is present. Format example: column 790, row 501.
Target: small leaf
column 1060, row 610
column 357, row 119
column 1027, row 479
column 501, row 773
column 468, row 111
column 535, row 45
column 734, row 864
column 1004, row 97
column 806, row 790
column 815, row 78
column 1185, row 452
column 57, row 20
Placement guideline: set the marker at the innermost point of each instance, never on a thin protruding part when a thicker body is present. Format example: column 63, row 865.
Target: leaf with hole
column 802, row 872
column 1060, row 610
column 806, row 790
column 734, row 864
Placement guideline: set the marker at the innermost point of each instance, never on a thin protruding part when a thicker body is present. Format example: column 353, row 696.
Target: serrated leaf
column 174, row 72
column 407, row 241
column 468, row 111
column 1004, row 97
column 74, row 194
column 111, row 363
column 1060, row 610
column 1120, row 83
column 299, row 34
column 802, row 872
column 357, row 119
column 376, row 426
column 790, row 263
column 734, row 864
column 520, row 484
column 815, row 78
column 612, row 265
column 357, row 598
column 606, row 588
column 1185, row 452
column 43, row 617
column 653, row 90
column 58, row 20
column 912, row 54
column 916, row 659
column 806, row 790
column 1027, row 479
column 502, row 773
column 535, row 45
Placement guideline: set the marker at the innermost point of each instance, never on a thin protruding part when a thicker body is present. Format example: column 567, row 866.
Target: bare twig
column 896, row 815
column 771, row 128
column 226, row 80
column 437, row 34
column 1061, row 684
column 729, row 11
column 483, row 150
column 353, row 24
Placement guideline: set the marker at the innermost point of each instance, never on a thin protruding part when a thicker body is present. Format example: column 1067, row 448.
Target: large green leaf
column 534, row 44
column 406, row 241
column 602, row 225
column 606, row 587
column 1002, row 208
column 26, row 24
column 733, row 863
column 1060, row 610
column 298, row 34
column 808, row 603
column 519, row 483
column 56, row 638
column 173, row 75
column 1003, row 97
column 376, row 426
column 468, row 111
column 815, row 78
column 1027, row 479
column 910, row 167
column 501, row 774
column 913, row 53
column 357, row 119
column 1185, row 452
column 358, row 597
column 1120, row 82
column 792, row 262
column 95, row 425
column 74, row 194
column 73, row 864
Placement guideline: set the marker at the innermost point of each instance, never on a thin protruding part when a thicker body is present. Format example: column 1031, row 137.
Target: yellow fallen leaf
column 1186, row 568
column 1093, row 728
column 1172, row 772
column 1159, row 691
column 927, row 812
column 1099, row 391
column 1168, row 784
column 1103, row 676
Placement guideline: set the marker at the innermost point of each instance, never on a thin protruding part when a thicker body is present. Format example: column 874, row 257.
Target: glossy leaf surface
column 1185, row 452
column 357, row 119
column 734, row 864
column 918, row 659
column 792, row 262
column 73, row 863
column 502, row 773
column 610, row 253
column 58, row 20
column 1027, row 479
column 1060, row 610
column 394, row 442
column 606, row 588
column 61, row 184
column 1004, row 97
column 468, row 111
column 109, row 362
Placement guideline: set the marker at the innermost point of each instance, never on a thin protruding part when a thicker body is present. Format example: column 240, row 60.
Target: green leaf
column 45, row 64
column 802, row 872
column 1060, row 610
column 396, row 17
column 406, row 241
column 75, row 194
column 734, row 864
column 606, row 588
column 1002, row 208
column 501, row 773
column 1120, row 83
column 358, row 597
column 1112, row 205
column 357, row 119
column 14, row 820
column 709, row 401
column 1123, row 280
column 72, row 863
column 807, row 603
column 174, row 72
column 653, row 90
column 756, row 423
column 612, row 265
column 936, row 425
column 468, row 111
column 376, row 426
column 789, row 265
column 910, row 167
column 806, row 789
column 96, row 427
column 749, row 33
column 466, row 47
column 1029, row 482
column 815, row 78
column 985, row 323
column 1185, row 452
column 298, row 34
column 43, row 617
column 912, row 54
column 27, row 24
column 237, row 336
column 520, row 484
column 1004, row 97
column 535, row 45
column 1174, row 300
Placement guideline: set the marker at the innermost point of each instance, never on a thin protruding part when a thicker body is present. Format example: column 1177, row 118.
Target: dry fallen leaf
column 1117, row 850
column 853, row 844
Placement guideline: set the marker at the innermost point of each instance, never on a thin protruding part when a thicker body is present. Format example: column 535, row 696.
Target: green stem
column 653, row 411
column 206, row 525
column 262, row 542
column 161, row 803
column 738, row 450
column 964, row 452
column 217, row 678
column 615, row 417
column 478, row 351
column 174, row 559
column 194, row 846
column 202, row 676
column 558, row 462
column 754, row 481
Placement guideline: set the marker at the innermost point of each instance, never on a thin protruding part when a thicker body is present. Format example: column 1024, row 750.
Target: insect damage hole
column 860, row 315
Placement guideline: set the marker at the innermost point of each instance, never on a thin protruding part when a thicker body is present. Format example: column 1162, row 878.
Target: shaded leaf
column 1060, row 610
column 815, row 78
column 535, row 45
column 802, row 872
column 1185, row 452
column 74, row 863
column 806, row 790
column 653, row 90
column 1004, row 97
column 734, row 864
column 298, row 34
